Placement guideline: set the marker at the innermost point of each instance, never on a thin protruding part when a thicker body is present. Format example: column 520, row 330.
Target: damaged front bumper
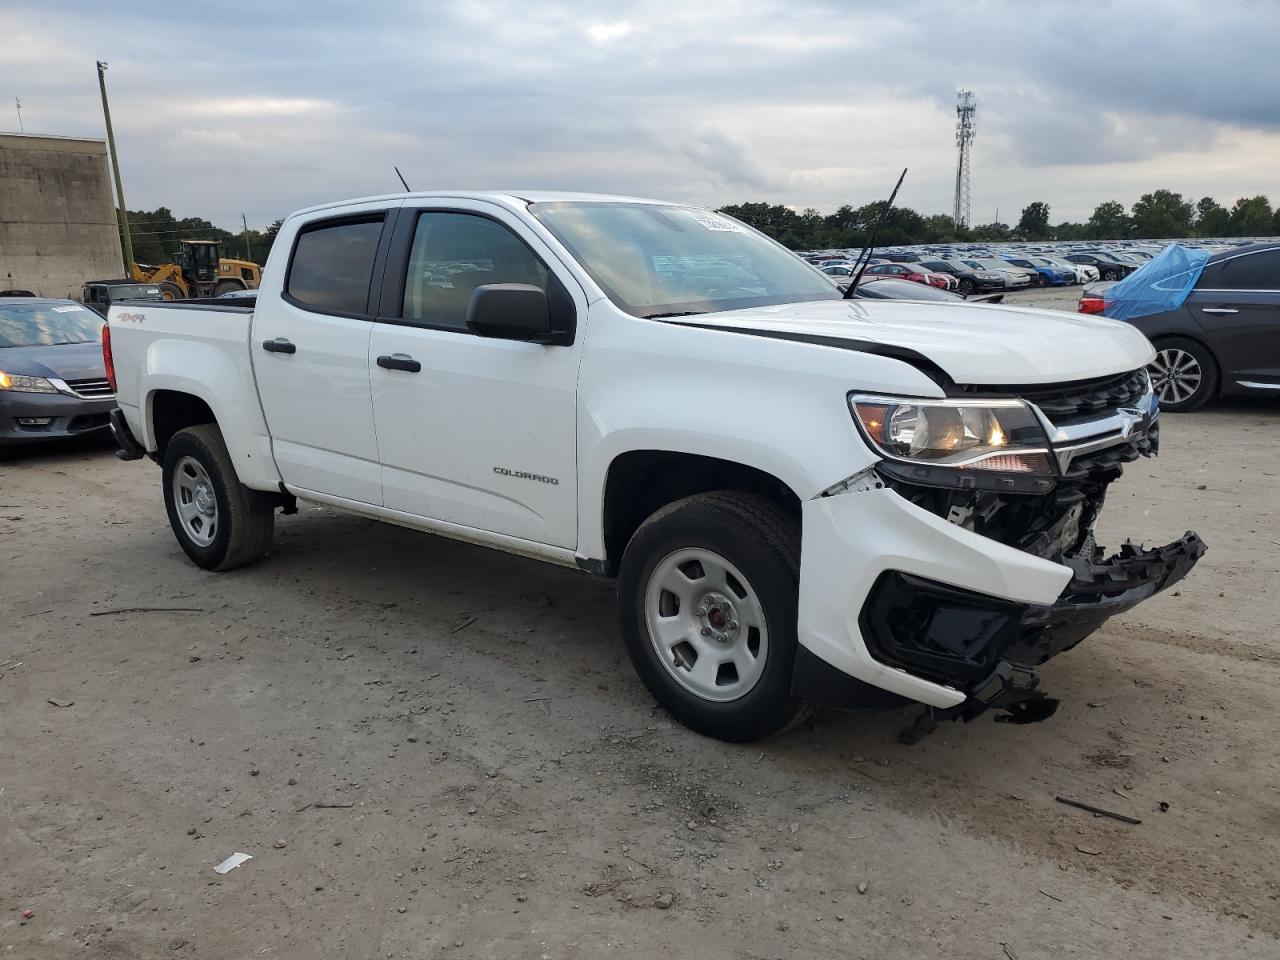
column 991, row 648
column 937, row 588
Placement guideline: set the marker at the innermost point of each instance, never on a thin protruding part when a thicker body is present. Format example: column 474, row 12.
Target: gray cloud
column 809, row 102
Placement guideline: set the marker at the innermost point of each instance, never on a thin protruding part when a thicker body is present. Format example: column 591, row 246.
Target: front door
column 310, row 351
column 472, row 430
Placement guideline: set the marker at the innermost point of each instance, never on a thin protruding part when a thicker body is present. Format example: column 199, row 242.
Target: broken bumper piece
column 991, row 648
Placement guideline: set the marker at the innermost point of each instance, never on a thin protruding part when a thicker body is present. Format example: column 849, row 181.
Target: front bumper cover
column 991, row 648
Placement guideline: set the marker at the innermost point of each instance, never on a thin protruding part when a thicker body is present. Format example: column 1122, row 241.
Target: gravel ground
column 431, row 750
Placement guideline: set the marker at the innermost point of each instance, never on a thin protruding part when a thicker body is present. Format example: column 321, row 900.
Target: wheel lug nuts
column 733, row 624
column 701, row 611
column 706, row 631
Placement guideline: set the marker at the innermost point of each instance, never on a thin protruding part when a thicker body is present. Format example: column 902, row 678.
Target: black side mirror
column 512, row 311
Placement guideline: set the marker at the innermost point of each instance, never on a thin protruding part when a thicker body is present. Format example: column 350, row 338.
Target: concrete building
column 57, row 215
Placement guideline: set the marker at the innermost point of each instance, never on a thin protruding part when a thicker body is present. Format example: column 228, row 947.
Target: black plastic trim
column 817, row 682
column 129, row 447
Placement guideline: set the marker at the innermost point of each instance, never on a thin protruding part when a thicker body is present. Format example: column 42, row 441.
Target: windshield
column 44, row 324
column 655, row 260
column 135, row 291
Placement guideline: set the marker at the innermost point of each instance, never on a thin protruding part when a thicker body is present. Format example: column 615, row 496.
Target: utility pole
column 18, row 104
column 248, row 250
column 115, row 168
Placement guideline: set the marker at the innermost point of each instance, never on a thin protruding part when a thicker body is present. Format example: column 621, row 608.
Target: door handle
column 400, row 361
column 279, row 345
column 1218, row 310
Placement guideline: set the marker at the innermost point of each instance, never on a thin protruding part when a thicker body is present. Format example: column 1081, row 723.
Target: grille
column 1069, row 403
column 94, row 389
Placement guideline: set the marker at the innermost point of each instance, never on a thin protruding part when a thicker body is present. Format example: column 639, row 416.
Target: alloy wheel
column 1176, row 375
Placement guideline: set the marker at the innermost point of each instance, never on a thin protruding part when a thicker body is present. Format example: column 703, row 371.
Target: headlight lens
column 992, row 435
column 17, row 382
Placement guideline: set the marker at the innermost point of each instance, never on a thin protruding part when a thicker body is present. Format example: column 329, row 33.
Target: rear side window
column 1253, row 271
column 332, row 266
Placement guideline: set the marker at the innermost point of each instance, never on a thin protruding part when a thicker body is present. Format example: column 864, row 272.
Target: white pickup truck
column 806, row 500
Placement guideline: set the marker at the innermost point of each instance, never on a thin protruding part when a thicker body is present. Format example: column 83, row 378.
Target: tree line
column 1159, row 215
column 156, row 235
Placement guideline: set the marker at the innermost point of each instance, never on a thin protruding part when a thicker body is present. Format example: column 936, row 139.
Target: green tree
column 1212, row 219
column 1034, row 224
column 1275, row 223
column 1108, row 222
column 1161, row 214
column 1069, row 231
column 1251, row 217
column 992, row 232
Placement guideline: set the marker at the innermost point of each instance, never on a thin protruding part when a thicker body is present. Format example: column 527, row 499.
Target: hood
column 973, row 343
column 66, row 361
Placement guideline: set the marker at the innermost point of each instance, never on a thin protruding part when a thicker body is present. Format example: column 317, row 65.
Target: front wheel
column 966, row 288
column 1111, row 275
column 1184, row 375
column 707, row 597
column 220, row 524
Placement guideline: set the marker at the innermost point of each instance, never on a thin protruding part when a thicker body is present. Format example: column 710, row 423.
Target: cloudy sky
column 267, row 107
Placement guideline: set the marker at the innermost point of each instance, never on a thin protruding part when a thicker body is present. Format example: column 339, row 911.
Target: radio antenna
column 401, row 176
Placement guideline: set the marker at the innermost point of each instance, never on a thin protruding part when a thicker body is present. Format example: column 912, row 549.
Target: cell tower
column 966, row 108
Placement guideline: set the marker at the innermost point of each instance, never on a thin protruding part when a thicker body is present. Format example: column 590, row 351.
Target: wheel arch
column 638, row 483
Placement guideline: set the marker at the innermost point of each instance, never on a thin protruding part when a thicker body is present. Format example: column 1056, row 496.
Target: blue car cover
column 1161, row 284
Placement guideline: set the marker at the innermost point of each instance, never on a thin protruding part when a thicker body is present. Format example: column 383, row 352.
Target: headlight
column 19, row 383
column 987, row 276
column 990, row 435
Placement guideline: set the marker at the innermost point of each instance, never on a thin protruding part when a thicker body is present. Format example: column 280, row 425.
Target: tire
column 752, row 549
column 1111, row 275
column 1184, row 373
column 171, row 291
column 226, row 286
column 226, row 524
column 966, row 288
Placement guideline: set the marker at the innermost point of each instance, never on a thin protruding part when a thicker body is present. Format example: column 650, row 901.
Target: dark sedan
column 53, row 383
column 1223, row 339
column 1109, row 268
column 970, row 279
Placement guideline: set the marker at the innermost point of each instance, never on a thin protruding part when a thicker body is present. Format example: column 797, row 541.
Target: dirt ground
column 431, row 750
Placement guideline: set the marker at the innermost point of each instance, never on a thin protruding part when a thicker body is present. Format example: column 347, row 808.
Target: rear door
column 310, row 349
column 483, row 433
column 1237, row 304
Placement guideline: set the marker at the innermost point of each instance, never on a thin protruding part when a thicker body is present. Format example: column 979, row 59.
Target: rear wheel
column 219, row 523
column 1111, row 275
column 1184, row 374
column 707, row 598
column 226, row 286
column 170, row 291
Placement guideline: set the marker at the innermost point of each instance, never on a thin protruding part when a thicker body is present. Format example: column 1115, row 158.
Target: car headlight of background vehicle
column 990, row 435
column 986, row 275
column 22, row 384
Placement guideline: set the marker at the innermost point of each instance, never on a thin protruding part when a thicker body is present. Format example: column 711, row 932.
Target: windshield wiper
column 678, row 313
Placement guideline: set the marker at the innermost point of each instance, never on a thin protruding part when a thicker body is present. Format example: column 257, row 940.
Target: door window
column 332, row 266
column 1252, row 271
column 452, row 254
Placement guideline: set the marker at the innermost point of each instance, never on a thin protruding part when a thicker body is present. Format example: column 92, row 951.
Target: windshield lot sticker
column 67, row 309
column 715, row 223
